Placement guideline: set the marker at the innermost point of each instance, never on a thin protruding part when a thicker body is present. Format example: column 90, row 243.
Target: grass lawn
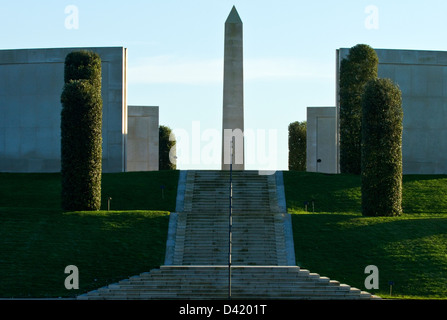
column 333, row 239
column 38, row 240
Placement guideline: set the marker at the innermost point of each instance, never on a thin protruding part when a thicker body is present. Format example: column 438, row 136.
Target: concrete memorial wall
column 143, row 138
column 422, row 78
column 31, row 83
column 321, row 155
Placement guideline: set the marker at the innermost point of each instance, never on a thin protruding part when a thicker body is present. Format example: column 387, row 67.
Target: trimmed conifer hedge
column 297, row 145
column 81, row 132
column 356, row 70
column 382, row 117
column 83, row 65
column 164, row 149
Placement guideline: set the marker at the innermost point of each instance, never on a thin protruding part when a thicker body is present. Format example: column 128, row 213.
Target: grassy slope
column 337, row 241
column 38, row 240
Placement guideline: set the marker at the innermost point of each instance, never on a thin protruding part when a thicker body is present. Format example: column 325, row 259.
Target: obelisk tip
column 233, row 17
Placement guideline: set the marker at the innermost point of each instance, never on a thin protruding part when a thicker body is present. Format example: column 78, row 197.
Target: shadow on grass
column 153, row 190
column 407, row 250
column 38, row 241
column 105, row 246
column 329, row 193
column 342, row 192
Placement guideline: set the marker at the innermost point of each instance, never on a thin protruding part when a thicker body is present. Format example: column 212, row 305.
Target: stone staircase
column 203, row 226
column 211, row 282
column 263, row 259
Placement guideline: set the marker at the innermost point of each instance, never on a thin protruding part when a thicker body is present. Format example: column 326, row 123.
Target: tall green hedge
column 297, row 145
column 83, row 65
column 164, row 148
column 81, row 132
column 382, row 118
column 359, row 67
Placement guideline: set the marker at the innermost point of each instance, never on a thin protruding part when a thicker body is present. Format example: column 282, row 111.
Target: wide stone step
column 216, row 215
column 235, row 288
column 206, row 282
column 200, row 292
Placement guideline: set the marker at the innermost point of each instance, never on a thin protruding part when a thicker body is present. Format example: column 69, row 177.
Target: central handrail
column 230, row 220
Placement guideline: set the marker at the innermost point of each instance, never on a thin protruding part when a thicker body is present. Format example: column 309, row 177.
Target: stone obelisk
column 233, row 95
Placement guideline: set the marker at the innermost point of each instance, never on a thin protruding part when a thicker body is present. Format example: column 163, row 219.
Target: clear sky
column 175, row 52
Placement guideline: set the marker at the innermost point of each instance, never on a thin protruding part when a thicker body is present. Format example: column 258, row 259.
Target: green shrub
column 164, row 148
column 81, row 133
column 356, row 70
column 81, row 65
column 297, row 146
column 382, row 118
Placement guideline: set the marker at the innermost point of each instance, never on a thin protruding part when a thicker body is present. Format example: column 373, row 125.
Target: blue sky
column 175, row 51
